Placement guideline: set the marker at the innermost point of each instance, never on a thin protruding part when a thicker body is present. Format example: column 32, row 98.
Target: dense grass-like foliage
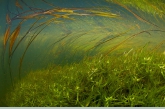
column 154, row 7
column 135, row 78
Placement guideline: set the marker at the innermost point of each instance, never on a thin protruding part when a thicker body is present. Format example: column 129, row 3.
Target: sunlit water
column 69, row 40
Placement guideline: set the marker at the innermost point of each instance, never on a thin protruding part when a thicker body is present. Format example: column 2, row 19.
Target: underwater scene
column 82, row 53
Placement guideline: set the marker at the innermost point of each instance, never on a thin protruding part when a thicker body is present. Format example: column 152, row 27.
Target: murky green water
column 80, row 28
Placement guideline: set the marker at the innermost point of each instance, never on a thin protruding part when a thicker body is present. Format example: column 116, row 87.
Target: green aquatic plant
column 111, row 39
column 101, row 80
column 55, row 14
column 96, row 81
column 154, row 7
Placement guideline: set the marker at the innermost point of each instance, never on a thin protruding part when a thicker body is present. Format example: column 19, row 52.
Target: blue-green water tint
column 68, row 40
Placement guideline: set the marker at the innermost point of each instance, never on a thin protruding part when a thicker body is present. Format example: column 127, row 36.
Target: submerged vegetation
column 135, row 78
column 84, row 55
column 154, row 7
column 55, row 14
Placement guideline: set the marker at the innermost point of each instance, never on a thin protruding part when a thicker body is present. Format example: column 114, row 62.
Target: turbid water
column 63, row 32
